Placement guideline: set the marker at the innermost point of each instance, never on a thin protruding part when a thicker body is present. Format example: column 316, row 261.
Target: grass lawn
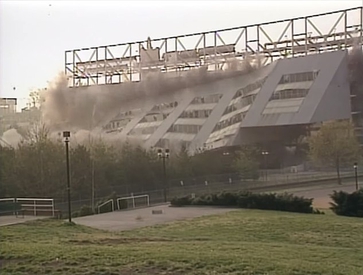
column 239, row 242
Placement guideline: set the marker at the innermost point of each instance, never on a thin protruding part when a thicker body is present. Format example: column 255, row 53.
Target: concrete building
column 294, row 83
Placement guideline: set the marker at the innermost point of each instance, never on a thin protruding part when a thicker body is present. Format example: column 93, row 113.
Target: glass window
column 299, row 77
column 289, row 93
column 207, row 99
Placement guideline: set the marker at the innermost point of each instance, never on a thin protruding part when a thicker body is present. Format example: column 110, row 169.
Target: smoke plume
column 88, row 108
column 11, row 138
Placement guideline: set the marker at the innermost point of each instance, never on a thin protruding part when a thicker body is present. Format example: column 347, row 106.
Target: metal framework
column 215, row 50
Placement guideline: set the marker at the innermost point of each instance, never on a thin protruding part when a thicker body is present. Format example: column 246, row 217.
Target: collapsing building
column 273, row 92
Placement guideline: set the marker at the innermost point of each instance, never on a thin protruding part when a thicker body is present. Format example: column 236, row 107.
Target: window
column 237, row 118
column 249, row 88
column 299, row 77
column 143, row 131
column 289, row 93
column 196, row 114
column 207, row 99
column 187, row 129
column 164, row 106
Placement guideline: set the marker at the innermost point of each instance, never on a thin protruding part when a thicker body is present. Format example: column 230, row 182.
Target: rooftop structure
column 300, row 76
column 215, row 50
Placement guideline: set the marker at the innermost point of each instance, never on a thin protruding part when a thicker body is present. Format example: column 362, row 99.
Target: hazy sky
column 35, row 34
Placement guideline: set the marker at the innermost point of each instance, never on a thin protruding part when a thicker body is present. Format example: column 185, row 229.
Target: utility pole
column 164, row 155
column 66, row 136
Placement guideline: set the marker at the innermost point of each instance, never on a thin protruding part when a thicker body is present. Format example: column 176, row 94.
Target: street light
column 265, row 154
column 356, row 176
column 164, row 155
column 66, row 136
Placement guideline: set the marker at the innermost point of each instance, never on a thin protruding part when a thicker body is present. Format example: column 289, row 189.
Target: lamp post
column 265, row 154
column 66, row 136
column 356, row 175
column 163, row 155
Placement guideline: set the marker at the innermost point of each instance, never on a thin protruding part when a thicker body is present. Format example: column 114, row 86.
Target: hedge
column 265, row 201
column 345, row 204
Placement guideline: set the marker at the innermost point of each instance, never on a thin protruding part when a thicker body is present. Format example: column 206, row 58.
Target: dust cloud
column 11, row 138
column 84, row 110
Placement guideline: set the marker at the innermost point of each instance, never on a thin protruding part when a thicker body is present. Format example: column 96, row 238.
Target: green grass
column 240, row 242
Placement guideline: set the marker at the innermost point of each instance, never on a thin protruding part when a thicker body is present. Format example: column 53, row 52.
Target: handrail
column 32, row 199
column 8, row 199
column 103, row 204
column 133, row 200
column 35, row 207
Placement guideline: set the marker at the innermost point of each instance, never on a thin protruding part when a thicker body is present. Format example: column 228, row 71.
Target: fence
column 214, row 183
column 33, row 206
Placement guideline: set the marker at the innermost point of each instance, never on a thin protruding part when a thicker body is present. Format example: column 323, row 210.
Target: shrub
column 226, row 199
column 181, row 201
column 245, row 199
column 317, row 211
column 346, row 204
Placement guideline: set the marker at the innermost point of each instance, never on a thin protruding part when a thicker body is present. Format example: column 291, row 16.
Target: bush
column 226, row 199
column 346, row 204
column 263, row 201
column 181, row 201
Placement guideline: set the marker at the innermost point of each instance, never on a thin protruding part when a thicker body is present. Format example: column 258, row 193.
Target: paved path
column 127, row 220
column 131, row 219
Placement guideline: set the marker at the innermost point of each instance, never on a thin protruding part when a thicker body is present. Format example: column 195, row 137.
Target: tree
column 182, row 163
column 80, row 158
column 36, row 98
column 39, row 164
column 334, row 145
column 7, row 159
column 246, row 162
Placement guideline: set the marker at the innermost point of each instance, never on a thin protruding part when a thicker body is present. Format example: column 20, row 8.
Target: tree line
column 37, row 167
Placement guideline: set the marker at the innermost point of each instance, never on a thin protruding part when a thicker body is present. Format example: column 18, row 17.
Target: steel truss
column 215, row 50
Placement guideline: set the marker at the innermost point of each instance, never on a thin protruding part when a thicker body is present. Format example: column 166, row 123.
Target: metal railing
column 132, row 198
column 105, row 203
column 36, row 205
column 264, row 42
column 269, row 180
column 33, row 206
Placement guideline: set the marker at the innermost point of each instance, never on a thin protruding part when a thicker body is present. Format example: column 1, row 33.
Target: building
column 7, row 106
column 279, row 90
column 11, row 119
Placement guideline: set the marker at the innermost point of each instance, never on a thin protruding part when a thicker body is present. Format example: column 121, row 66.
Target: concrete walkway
column 131, row 219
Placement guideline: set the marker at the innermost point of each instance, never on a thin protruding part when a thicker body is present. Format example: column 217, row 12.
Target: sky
column 35, row 34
